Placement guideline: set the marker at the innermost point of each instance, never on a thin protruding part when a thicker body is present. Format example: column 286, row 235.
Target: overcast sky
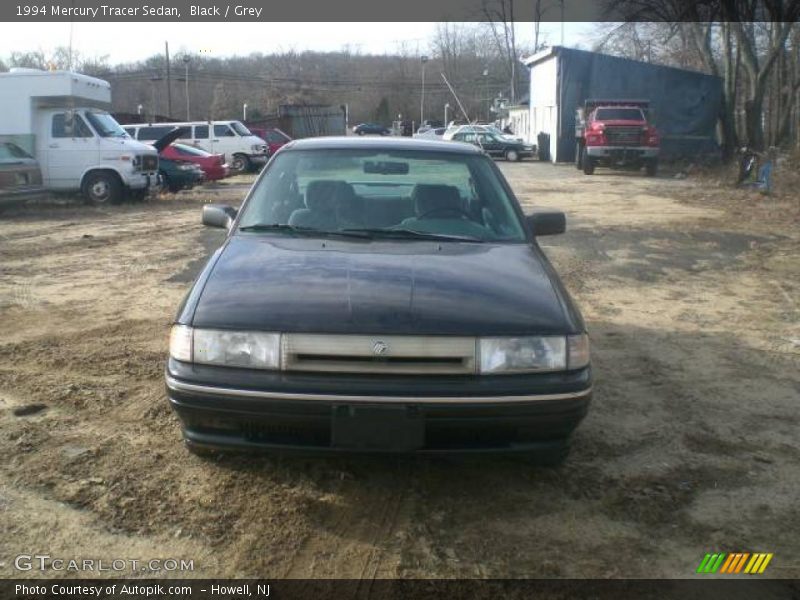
column 127, row 42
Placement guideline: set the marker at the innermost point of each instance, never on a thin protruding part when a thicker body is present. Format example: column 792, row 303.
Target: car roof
column 383, row 143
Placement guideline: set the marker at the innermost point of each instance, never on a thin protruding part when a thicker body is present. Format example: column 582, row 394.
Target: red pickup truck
column 615, row 133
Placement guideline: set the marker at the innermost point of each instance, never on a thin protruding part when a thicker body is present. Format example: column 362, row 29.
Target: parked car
column 371, row 129
column 475, row 128
column 243, row 150
column 274, row 137
column 380, row 295
column 20, row 176
column 176, row 174
column 616, row 134
column 430, row 134
column 495, row 146
column 213, row 165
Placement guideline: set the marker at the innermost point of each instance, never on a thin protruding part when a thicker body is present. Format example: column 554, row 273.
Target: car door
column 71, row 148
column 224, row 140
column 491, row 145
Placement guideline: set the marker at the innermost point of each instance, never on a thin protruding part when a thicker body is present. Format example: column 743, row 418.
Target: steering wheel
column 446, row 209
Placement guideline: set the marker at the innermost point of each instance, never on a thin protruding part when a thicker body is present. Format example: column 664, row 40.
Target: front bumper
column 258, row 159
column 273, row 411
column 142, row 180
column 622, row 152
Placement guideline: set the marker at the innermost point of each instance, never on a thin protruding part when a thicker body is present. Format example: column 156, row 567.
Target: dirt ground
column 691, row 292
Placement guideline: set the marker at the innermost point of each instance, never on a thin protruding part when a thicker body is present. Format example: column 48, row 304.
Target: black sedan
column 496, row 146
column 380, row 295
column 370, row 129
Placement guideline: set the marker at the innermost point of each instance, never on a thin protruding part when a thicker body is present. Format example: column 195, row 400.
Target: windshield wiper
column 299, row 229
column 411, row 234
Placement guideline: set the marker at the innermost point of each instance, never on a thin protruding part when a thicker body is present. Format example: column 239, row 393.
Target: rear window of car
column 155, row 132
column 434, row 192
column 619, row 114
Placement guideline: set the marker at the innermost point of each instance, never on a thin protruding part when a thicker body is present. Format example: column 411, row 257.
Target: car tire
column 588, row 165
column 360, row 132
column 651, row 167
column 102, row 188
column 240, row 164
column 512, row 156
column 579, row 157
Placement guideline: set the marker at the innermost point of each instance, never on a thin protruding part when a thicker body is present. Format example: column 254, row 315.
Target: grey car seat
column 435, row 201
column 320, row 201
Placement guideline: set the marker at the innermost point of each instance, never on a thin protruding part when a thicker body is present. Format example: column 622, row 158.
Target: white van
column 242, row 150
column 60, row 118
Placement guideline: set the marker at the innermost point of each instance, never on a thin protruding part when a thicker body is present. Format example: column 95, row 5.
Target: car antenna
column 461, row 106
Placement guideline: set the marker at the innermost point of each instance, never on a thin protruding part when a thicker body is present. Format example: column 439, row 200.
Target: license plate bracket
column 397, row 428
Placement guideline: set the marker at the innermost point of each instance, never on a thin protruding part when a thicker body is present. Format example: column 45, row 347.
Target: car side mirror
column 218, row 215
column 545, row 221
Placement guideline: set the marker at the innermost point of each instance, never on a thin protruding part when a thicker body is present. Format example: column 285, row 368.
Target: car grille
column 623, row 135
column 149, row 162
column 422, row 355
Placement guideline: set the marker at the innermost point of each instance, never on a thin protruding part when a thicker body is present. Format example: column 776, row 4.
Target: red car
column 274, row 137
column 213, row 165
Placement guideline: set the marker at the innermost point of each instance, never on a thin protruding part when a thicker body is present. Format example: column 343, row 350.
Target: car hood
column 272, row 283
column 168, row 138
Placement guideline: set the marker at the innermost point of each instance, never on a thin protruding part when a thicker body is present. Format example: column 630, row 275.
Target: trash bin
column 543, row 144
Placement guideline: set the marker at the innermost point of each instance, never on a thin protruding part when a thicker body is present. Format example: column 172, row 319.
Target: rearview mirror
column 218, row 215
column 386, row 167
column 546, row 221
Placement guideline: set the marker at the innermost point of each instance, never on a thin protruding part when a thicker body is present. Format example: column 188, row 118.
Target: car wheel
column 579, row 157
column 512, row 155
column 360, row 132
column 588, row 165
column 102, row 188
column 651, row 168
column 240, row 163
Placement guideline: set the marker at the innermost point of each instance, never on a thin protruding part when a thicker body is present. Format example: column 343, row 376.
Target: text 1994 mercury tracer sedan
column 380, row 295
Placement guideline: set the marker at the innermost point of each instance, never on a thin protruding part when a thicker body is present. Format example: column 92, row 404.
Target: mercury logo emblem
column 379, row 348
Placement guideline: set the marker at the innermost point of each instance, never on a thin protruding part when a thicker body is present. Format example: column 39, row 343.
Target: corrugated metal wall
column 685, row 104
column 301, row 121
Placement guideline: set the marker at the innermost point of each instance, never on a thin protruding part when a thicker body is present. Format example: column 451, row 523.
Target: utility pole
column 186, row 60
column 169, row 82
column 424, row 60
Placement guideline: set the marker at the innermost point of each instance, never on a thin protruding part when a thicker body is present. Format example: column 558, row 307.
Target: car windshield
column 619, row 114
column 105, row 125
column 456, row 196
column 240, row 129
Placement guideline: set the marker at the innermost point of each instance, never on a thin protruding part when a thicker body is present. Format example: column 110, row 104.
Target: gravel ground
column 690, row 291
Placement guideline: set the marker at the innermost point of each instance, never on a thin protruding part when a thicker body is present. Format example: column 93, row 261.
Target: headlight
column 246, row 349
column 514, row 355
column 259, row 149
column 533, row 354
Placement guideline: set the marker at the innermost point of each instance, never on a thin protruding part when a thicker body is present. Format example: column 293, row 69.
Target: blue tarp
column 684, row 105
